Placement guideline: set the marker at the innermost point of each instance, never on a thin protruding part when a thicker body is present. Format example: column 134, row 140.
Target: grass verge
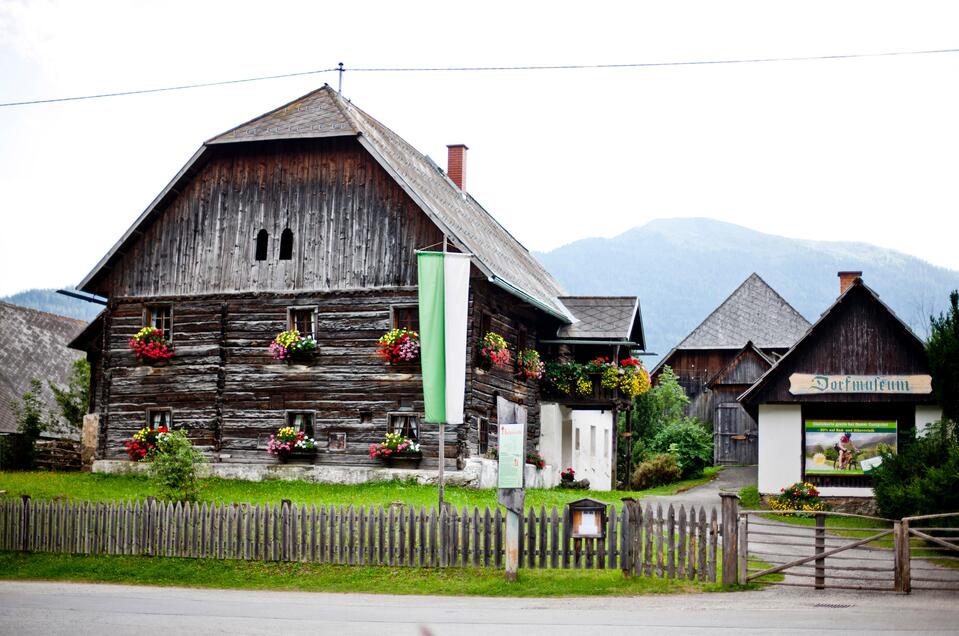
column 101, row 487
column 309, row 577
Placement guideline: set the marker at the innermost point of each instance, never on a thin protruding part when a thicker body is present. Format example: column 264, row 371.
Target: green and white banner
column 444, row 280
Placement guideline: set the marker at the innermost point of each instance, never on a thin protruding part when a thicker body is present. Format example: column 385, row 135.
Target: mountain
column 682, row 269
column 50, row 301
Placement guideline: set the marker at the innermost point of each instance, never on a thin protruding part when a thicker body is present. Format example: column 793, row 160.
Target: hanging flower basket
column 288, row 443
column 399, row 345
column 493, row 351
column 528, row 365
column 149, row 345
column 291, row 346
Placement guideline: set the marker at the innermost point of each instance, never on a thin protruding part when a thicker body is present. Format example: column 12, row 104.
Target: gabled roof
column 729, row 372
column 755, row 313
column 855, row 288
column 324, row 113
column 614, row 318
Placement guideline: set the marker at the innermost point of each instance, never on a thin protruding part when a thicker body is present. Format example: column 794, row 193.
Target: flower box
column 399, row 347
column 291, row 347
column 150, row 345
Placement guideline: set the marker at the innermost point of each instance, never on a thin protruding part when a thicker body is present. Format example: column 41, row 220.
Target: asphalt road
column 56, row 608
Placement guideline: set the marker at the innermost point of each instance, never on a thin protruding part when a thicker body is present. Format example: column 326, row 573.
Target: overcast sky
column 853, row 149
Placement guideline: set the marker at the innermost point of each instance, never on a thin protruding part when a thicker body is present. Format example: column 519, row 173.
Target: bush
column 691, row 443
column 659, row 470
column 923, row 479
column 173, row 466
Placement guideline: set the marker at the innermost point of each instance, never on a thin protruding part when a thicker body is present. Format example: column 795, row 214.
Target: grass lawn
column 100, row 487
column 308, row 577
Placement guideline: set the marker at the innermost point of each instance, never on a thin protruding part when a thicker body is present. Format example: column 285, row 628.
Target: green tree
column 75, row 399
column 30, row 413
column 942, row 349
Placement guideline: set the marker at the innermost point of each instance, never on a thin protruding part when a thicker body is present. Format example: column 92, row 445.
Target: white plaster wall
column 780, row 446
column 551, row 433
column 593, row 462
column 926, row 415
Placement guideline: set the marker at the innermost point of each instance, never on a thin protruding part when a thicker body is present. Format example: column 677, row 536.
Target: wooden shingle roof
column 33, row 344
column 613, row 318
column 753, row 312
column 324, row 113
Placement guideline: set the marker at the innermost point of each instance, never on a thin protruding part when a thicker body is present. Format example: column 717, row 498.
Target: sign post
column 510, row 493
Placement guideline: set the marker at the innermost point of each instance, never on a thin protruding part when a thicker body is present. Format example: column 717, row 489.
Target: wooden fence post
column 25, row 523
column 730, row 505
column 902, row 556
column 743, row 536
column 820, row 548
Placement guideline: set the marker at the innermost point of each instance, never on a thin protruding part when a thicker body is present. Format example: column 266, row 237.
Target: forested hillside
column 683, row 268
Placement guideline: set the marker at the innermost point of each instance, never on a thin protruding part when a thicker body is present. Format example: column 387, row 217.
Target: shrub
column 173, row 466
column 659, row 470
column 798, row 496
column 922, row 479
column 691, row 443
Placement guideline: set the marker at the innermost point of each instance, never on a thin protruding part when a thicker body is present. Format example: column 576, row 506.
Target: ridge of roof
column 42, row 312
column 725, row 306
column 856, row 284
column 502, row 258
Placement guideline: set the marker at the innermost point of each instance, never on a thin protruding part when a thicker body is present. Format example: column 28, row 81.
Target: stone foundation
column 477, row 473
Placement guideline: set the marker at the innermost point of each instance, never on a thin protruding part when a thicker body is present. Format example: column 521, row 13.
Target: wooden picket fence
column 674, row 544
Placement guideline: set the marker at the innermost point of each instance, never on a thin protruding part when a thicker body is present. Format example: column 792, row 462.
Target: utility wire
column 450, row 69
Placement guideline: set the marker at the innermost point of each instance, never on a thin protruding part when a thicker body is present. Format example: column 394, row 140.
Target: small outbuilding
column 855, row 384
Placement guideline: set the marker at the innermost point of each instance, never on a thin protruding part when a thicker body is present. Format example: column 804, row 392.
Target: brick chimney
column 456, row 164
column 846, row 279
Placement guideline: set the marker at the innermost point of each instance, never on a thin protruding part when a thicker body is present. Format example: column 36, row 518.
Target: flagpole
column 442, row 460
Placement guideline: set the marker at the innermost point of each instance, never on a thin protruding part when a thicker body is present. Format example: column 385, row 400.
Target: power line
column 450, row 69
column 165, row 88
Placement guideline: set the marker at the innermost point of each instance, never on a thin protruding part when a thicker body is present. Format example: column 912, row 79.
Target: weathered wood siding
column 859, row 336
column 225, row 388
column 353, row 227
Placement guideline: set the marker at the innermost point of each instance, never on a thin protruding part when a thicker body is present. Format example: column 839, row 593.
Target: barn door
column 735, row 436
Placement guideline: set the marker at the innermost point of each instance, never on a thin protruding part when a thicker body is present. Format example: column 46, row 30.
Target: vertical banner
column 443, row 306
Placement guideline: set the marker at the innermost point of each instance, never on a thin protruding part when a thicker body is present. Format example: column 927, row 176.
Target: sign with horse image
column 845, row 447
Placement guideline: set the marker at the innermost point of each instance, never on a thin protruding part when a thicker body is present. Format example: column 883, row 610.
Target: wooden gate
column 735, row 436
column 927, row 548
column 857, row 552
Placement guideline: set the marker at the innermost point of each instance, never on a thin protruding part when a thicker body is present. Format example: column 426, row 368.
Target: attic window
column 286, row 245
column 262, row 238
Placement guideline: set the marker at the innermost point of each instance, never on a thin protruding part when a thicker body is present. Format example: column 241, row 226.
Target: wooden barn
column 725, row 354
column 858, row 380
column 309, row 217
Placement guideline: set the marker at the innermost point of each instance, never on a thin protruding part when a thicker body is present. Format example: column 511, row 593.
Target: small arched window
column 286, row 245
column 262, row 238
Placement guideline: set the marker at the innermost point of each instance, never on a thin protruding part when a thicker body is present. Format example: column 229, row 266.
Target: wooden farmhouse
column 309, row 217
column 738, row 342
column 856, row 382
